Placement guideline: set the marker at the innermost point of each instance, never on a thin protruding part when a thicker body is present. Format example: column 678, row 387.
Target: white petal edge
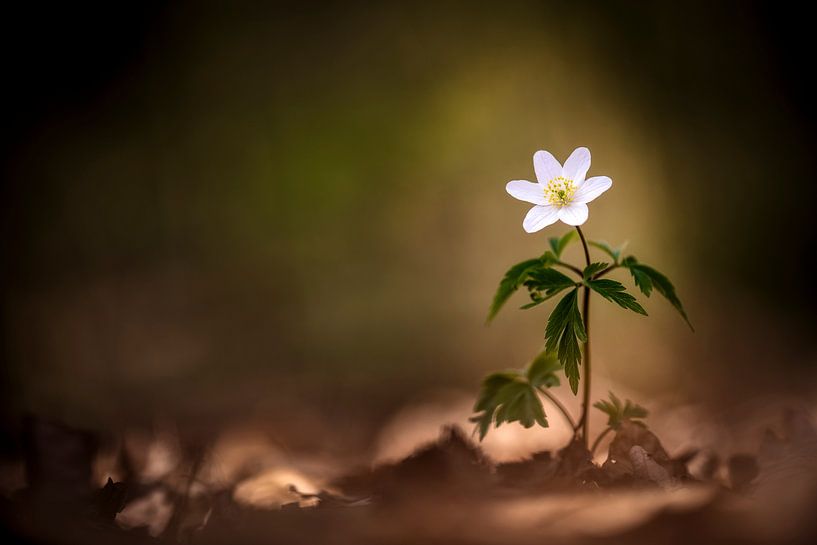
column 526, row 191
column 577, row 165
column 546, row 166
column 540, row 217
column 592, row 188
column 574, row 214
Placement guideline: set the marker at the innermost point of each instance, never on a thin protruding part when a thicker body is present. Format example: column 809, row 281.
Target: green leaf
column 646, row 278
column 642, row 280
column 618, row 412
column 507, row 396
column 564, row 331
column 520, row 403
column 542, row 371
column 514, row 278
column 615, row 253
column 486, row 402
column 616, row 292
column 548, row 280
column 490, row 385
column 558, row 244
column 512, row 396
column 543, row 284
column 593, row 269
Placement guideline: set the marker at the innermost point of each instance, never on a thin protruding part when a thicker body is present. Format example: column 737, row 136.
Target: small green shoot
column 618, row 412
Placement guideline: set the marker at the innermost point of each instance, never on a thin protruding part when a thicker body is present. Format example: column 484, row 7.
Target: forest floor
column 446, row 492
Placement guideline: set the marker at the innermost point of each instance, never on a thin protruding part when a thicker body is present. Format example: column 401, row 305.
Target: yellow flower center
column 559, row 191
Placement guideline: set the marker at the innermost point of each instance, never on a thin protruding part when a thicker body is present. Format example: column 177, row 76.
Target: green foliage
column 564, row 331
column 542, row 371
column 537, row 275
column 558, row 244
column 647, row 278
column 514, row 278
column 593, row 269
column 616, row 292
column 543, row 284
column 615, row 253
column 511, row 396
column 617, row 412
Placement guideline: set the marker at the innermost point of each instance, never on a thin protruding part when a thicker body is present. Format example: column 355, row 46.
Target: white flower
column 562, row 192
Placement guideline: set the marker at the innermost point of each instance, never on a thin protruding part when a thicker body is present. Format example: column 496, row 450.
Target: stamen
column 559, row 191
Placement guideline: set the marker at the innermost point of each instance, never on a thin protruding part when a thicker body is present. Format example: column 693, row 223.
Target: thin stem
column 584, row 420
column 571, row 267
column 607, row 270
column 562, row 408
column 584, row 245
column 601, row 436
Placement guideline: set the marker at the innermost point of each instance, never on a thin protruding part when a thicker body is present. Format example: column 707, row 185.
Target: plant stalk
column 612, row 267
column 601, row 436
column 571, row 267
column 562, row 409
column 584, row 421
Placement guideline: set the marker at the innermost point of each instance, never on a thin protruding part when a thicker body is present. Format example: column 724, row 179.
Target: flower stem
column 562, row 409
column 598, row 440
column 584, row 421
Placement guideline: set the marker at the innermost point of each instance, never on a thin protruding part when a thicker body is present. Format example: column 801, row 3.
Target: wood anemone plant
column 562, row 193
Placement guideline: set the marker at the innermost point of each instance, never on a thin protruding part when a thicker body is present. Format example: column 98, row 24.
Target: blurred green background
column 299, row 212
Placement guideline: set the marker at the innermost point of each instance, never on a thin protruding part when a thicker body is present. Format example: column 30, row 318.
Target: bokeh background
column 295, row 215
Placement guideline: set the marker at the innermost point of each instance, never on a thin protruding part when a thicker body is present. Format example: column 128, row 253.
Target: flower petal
column 540, row 217
column 574, row 213
column 577, row 165
column 592, row 188
column 526, row 191
column 546, row 166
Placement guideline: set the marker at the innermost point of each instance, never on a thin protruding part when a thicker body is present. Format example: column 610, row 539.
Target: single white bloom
column 561, row 193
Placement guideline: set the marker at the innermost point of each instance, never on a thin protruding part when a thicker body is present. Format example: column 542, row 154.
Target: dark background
column 298, row 212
